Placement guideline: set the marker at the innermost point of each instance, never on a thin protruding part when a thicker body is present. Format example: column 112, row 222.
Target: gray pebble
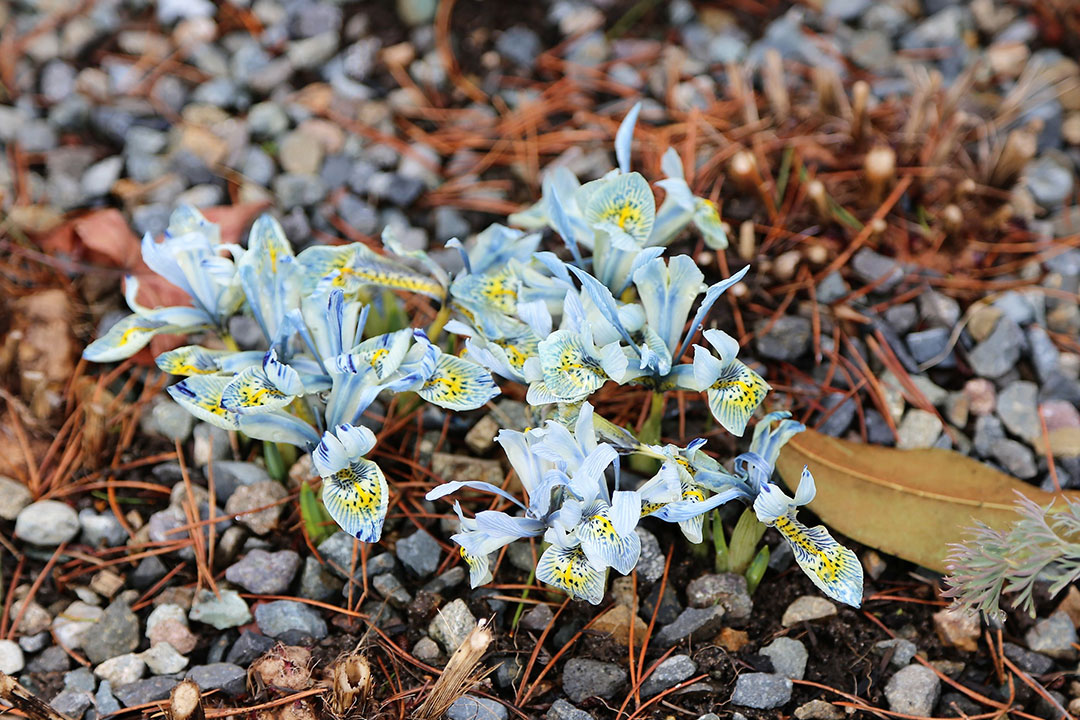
column 692, row 623
column 787, row 339
column 470, row 707
column 248, row 648
column 728, row 590
column 761, row 690
column 419, row 552
column 148, row 690
column 562, row 710
column 115, row 633
column 265, row 573
column 230, row 679
column 788, row 657
column 914, row 690
column 279, row 617
column 72, row 703
column 668, row 674
column 1054, row 636
column 585, row 678
column 47, row 523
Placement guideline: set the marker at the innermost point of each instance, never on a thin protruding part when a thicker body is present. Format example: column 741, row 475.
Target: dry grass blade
column 459, row 676
column 24, row 701
column 185, row 702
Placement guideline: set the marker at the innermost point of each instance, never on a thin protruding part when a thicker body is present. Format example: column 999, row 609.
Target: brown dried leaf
column 908, row 503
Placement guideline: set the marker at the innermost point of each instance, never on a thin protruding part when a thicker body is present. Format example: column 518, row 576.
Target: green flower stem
column 649, row 435
column 757, row 569
column 275, row 464
column 744, row 540
column 435, row 331
column 720, row 543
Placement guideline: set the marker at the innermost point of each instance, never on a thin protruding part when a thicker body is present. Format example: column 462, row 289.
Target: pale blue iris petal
column 711, row 296
column 392, row 243
column 667, row 291
column 602, row 299
column 833, row 568
column 590, row 473
column 535, row 314
column 660, row 355
column 726, row 346
column 357, row 497
column 602, row 545
column 692, row 528
column 569, row 570
column 767, row 442
column 626, row 201
column 278, row 427
column 556, row 444
column 614, row 362
column 284, row 378
column 671, row 165
column 707, row 221
column 560, row 220
column 571, row 372
column 555, row 266
column 126, row 337
column 496, row 245
column 538, row 394
column 498, row 523
column 735, row 395
column 522, row 459
column 641, row 259
column 685, row 509
column 330, row 456
column 357, row 440
column 807, row 489
column 458, row 384
column 625, row 510
column 585, row 428
column 191, row 360
column 453, row 486
column 624, row 137
column 707, row 369
column 200, row 395
column 251, row 392
column 772, row 503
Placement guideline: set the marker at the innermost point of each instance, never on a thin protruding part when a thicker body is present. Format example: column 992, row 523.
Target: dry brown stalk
column 350, row 686
column 1019, row 147
column 24, row 701
column 185, row 702
column 776, row 92
column 459, row 676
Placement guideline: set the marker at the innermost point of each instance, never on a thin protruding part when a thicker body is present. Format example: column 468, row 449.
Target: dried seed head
column 747, row 242
column 785, row 265
column 880, row 164
column 815, row 190
column 952, row 217
column 283, row 669
column 860, row 98
column 350, row 685
column 743, row 168
column 817, row 254
column 965, row 187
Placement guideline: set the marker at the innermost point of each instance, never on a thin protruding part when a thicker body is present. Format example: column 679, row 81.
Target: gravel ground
column 337, row 115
